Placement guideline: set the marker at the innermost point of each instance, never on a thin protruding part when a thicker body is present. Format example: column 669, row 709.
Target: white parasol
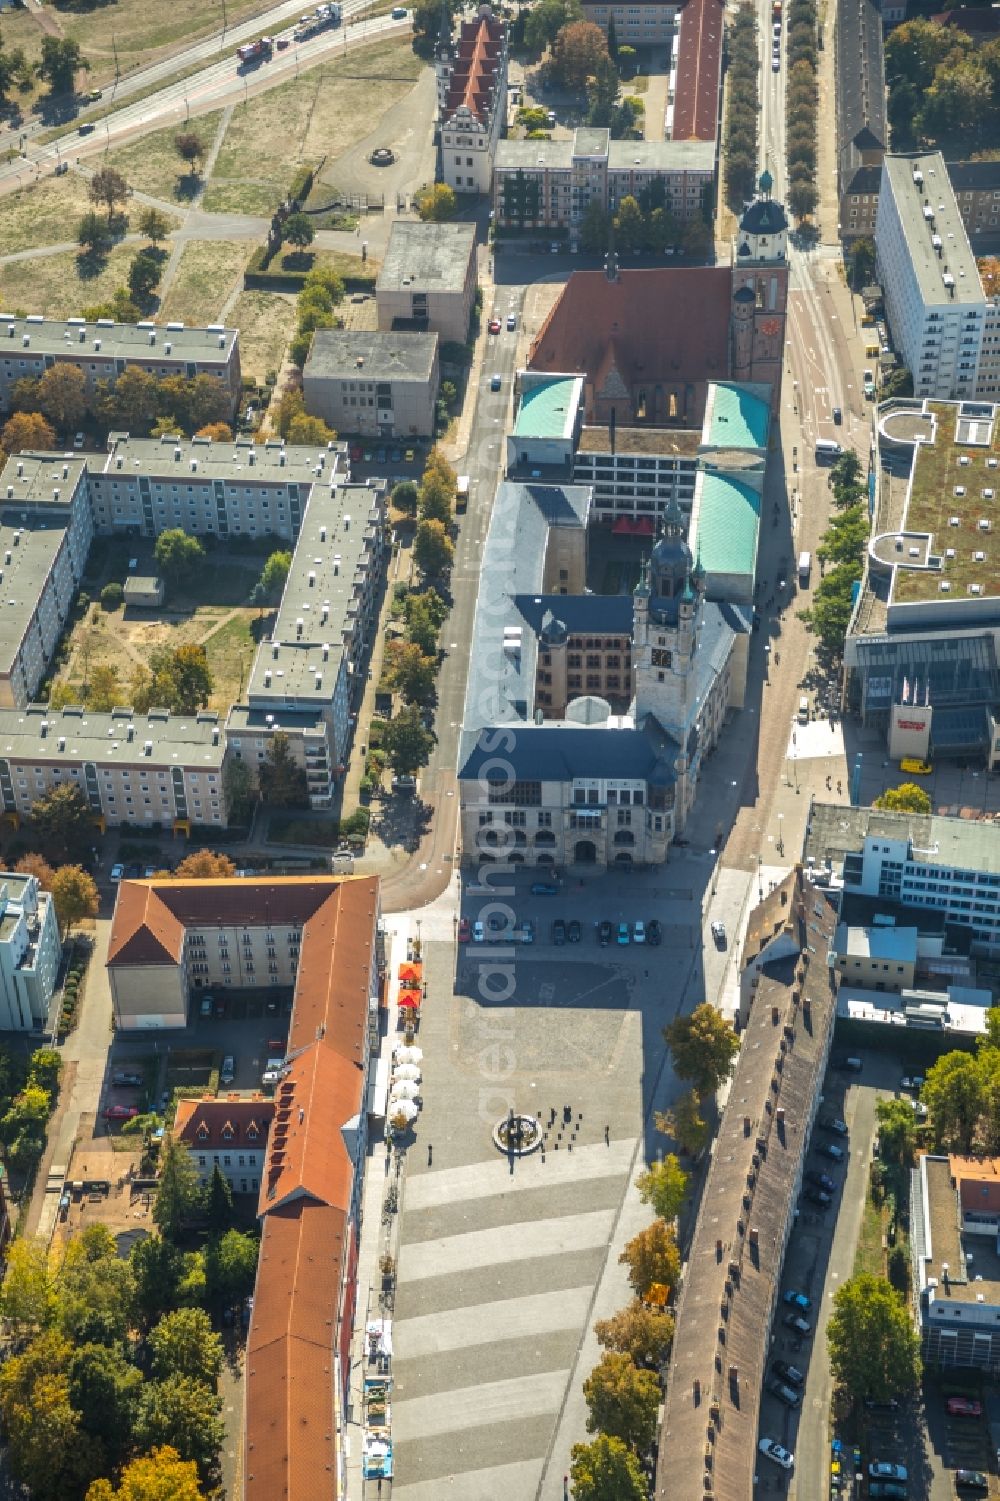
column 405, row 1054
column 402, row 1110
column 404, row 1089
column 407, row 1071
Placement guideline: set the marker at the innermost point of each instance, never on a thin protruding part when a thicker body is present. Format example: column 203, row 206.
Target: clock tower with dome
column 760, row 290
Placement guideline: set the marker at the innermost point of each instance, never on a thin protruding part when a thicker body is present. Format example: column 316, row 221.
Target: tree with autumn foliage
column 644, row 1334
column 160, row 1475
column 205, row 865
column 26, row 430
column 578, row 50
column 33, row 864
column 652, row 1258
column 622, row 1401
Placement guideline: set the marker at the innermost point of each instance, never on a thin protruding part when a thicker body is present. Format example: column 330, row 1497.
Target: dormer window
column 228, row 1132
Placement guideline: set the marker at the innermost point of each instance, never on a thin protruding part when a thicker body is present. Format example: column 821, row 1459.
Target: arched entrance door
column 586, row 852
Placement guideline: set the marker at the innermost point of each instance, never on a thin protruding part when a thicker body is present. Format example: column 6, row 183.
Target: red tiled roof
column 319, row 1094
column 699, row 66
column 978, row 1182
column 666, row 323
column 227, row 1121
column 143, row 929
column 471, row 82
column 292, row 1401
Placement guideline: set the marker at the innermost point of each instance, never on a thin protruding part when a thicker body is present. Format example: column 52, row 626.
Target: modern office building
column 944, row 327
column 924, row 861
column 921, row 655
column 549, row 185
column 472, row 101
column 30, row 952
column 427, row 281
column 103, row 349
column 375, row 385
column 157, row 769
column 861, row 123
column 954, row 1229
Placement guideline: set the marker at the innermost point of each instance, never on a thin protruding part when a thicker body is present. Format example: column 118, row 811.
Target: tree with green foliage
column 436, row 498
column 184, row 1343
column 833, row 601
column 231, row 1265
column 274, row 576
column 602, row 96
column 60, row 61
column 954, row 1093
column 862, row 262
column 622, row 1401
column 406, row 742
column 298, row 230
column 425, row 614
column 14, row 69
column 177, row 555
column 157, row 1269
column 436, row 203
column 643, row 1334
column 282, row 779
column 630, row 228
column 433, row 550
column 873, row 1346
column 906, row 798
column 44, row 1446
column 94, row 1289
column 846, row 538
column 191, row 149
column 183, row 1413
column 143, row 277
column 594, row 228
column 897, row 1131
column 108, row 186
column 845, row 476
column 28, row 1300
column 178, row 1194
column 685, row 1124
column 154, row 225
column 653, row 1259
column 410, row 672
column 93, row 233
column 190, row 678
column 104, row 1388
column 45, row 1069
column 63, row 824
column 545, row 21
column 219, row 1202
column 240, row 788
column 665, row 1186
column 703, row 1046
column 897, row 384
column 607, row 1470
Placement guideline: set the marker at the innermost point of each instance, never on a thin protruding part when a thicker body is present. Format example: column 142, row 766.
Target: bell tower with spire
column 760, row 291
column 666, row 623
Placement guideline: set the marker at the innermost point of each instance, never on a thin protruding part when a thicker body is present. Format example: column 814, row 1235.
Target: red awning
column 633, row 526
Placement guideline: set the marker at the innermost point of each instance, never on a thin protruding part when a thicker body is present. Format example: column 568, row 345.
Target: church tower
column 760, row 269
column 666, row 622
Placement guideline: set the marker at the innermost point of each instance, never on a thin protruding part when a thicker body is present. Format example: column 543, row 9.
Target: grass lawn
column 230, row 651
column 637, row 85
column 46, row 214
column 152, row 165
column 53, row 285
column 870, row 1256
column 266, row 321
column 143, row 30
column 321, row 114
column 206, row 275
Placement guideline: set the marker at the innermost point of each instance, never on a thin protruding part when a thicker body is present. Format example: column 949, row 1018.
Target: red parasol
column 410, row 999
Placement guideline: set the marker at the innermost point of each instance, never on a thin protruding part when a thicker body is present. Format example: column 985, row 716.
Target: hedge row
column 259, row 278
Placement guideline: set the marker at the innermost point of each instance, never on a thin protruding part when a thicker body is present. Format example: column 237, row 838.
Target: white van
column 803, row 711
column 826, row 448
column 462, row 492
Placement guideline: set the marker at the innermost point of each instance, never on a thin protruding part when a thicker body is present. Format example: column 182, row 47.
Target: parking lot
column 921, row 1435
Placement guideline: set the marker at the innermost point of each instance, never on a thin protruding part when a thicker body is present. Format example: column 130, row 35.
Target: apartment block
column 427, row 282
column 861, row 123
column 472, row 102
column 103, row 349
column 946, row 330
column 156, row 769
column 30, row 951
column 375, row 385
column 638, row 23
column 551, row 184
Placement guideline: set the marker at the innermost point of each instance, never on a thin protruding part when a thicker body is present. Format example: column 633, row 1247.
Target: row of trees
column 58, row 65
column 57, row 401
column 321, row 292
column 801, row 106
column 842, row 545
column 644, row 223
column 944, row 86
column 962, row 1095
column 23, row 1123
column 118, row 1357
column 742, row 107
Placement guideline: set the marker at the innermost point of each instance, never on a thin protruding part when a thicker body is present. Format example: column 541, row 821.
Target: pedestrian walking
column 430, row 1154
column 607, row 1136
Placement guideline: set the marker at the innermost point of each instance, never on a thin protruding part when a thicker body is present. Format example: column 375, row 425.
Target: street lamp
column 781, row 841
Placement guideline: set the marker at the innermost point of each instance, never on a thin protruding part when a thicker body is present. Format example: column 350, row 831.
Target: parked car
column 464, row 930
column 912, row 1083
column 205, row 1006
column 559, row 932
column 818, row 1196
column 919, row 1109
column 964, row 1407
column 838, row 416
column 821, row 1180
column 409, row 456
column 888, row 1490
column 654, row 932
column 125, row 1079
column 228, row 1070
column 973, row 1481
column 789, row 1373
column 79, row 440
column 797, row 1299
column 848, row 1065
column 117, row 872
column 719, row 933
column 121, row 1112
column 830, row 1149
column 574, row 932
column 511, row 322
column 884, row 1469
column 771, row 1449
column 797, row 1323
column 495, row 382
column 872, row 1406
column 833, row 1123
column 604, row 934
column 544, row 888
column 478, row 933
column 623, row 933
column 494, row 325
column 639, row 932
column 786, row 1394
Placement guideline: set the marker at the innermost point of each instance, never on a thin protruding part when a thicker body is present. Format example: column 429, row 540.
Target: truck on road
column 322, row 17
column 805, row 568
column 252, row 53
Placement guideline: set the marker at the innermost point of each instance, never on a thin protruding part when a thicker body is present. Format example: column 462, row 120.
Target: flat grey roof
column 534, row 156
column 212, row 345
column 876, row 943
column 639, row 156
column 936, row 193
column 591, row 141
column 32, row 549
column 967, row 844
column 41, row 479
column 38, row 733
column 241, row 461
column 670, row 442
column 662, row 156
column 427, row 257
column 360, row 354
column 294, row 669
